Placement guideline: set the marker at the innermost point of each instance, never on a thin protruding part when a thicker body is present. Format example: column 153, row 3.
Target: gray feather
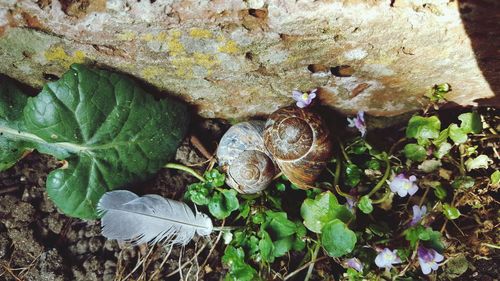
column 149, row 219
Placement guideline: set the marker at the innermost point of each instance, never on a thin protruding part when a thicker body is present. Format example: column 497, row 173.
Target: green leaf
column 443, row 149
column 434, row 241
column 300, row 230
column 373, row 164
column 233, row 255
column 234, row 258
column 352, row 175
column 456, row 266
column 365, row 204
column 443, row 137
column 337, row 239
column 198, row 193
column 440, row 192
column 412, row 234
column 470, row 122
column 245, row 208
column 443, row 87
column 215, row 178
column 420, row 233
column 451, row 212
column 358, row 148
column 109, row 130
column 423, row 128
column 278, row 225
column 430, row 165
column 353, row 275
column 438, row 92
column 280, row 186
column 463, row 182
column 457, row 134
column 243, row 272
column 282, row 246
column 415, row 152
column 323, row 209
column 266, row 247
column 252, row 244
column 258, row 218
column 12, row 102
column 480, row 162
column 223, row 203
column 495, row 178
column 299, row 243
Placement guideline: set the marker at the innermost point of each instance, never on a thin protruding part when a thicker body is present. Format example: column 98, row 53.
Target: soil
column 39, row 243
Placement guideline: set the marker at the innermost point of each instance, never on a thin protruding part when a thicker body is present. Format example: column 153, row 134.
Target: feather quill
column 149, row 219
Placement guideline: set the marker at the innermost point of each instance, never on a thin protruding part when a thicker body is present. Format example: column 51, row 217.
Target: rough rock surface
column 236, row 59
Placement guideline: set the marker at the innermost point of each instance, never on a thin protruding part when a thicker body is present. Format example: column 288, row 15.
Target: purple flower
column 354, row 263
column 351, row 202
column 428, row 259
column 404, row 186
column 418, row 213
column 303, row 99
column 387, row 258
column 358, row 122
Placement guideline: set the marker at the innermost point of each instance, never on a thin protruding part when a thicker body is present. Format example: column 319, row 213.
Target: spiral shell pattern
column 300, row 143
column 243, row 156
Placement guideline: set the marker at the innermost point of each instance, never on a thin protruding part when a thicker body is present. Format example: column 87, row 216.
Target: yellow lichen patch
column 183, row 66
column 59, row 55
column 151, row 72
column 200, row 33
column 127, row 35
column 163, row 37
column 148, row 37
column 205, row 60
column 230, row 47
column 175, row 47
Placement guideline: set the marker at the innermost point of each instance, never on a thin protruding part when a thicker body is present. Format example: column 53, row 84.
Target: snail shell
column 243, row 156
column 300, row 144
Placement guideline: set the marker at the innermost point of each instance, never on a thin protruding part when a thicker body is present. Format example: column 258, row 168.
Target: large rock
column 236, row 59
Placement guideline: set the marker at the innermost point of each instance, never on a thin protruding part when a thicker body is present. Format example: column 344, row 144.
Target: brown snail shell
column 242, row 154
column 300, row 143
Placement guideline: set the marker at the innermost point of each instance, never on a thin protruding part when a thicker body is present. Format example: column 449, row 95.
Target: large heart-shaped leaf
column 109, row 130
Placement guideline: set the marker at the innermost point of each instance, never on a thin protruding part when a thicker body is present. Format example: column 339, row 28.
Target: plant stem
column 336, row 180
column 224, row 228
column 313, row 261
column 384, row 178
column 383, row 198
column 491, row 246
column 186, row 169
column 395, row 145
column 342, row 150
column 462, row 167
column 302, row 268
column 424, row 196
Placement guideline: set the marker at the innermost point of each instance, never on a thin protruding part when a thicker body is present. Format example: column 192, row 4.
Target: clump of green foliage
column 360, row 213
